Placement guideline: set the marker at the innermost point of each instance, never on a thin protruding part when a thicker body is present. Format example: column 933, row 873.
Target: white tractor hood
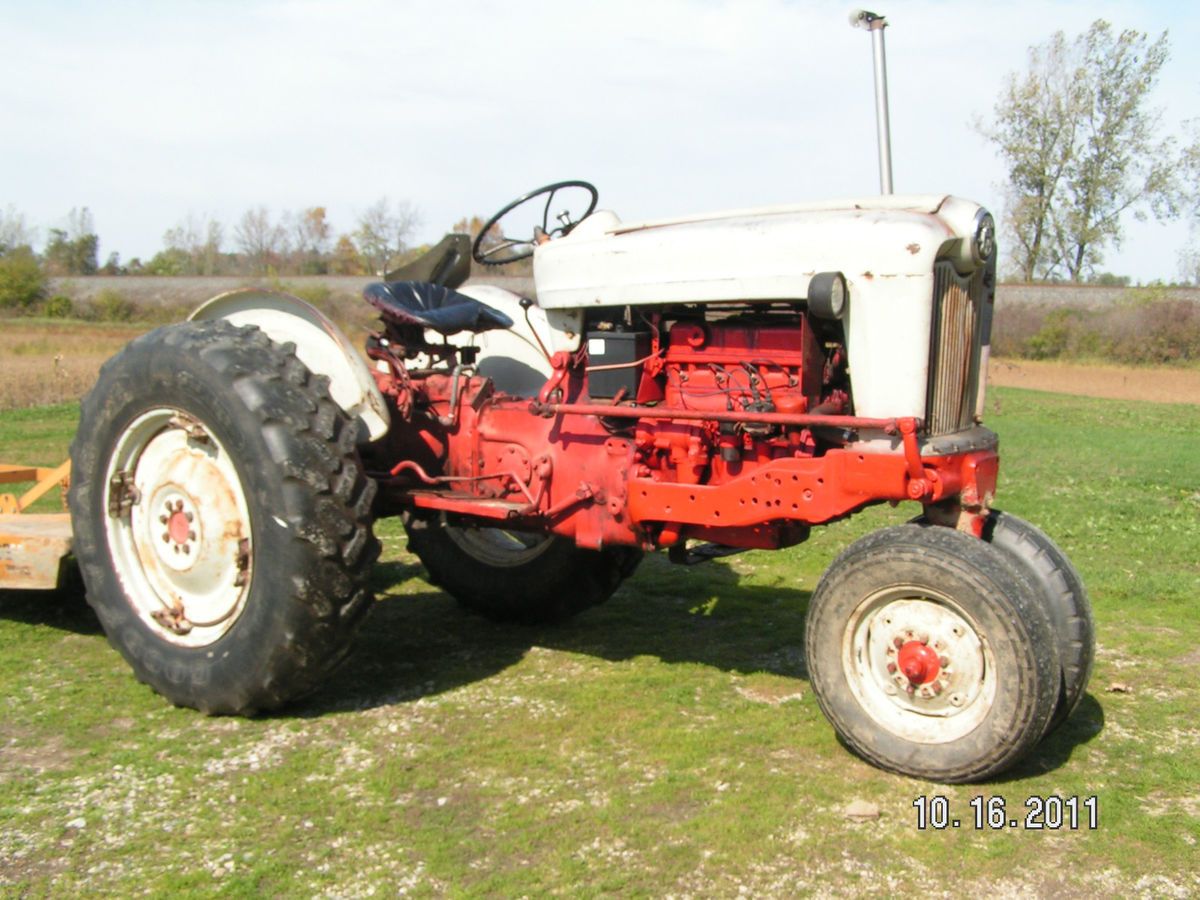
column 769, row 253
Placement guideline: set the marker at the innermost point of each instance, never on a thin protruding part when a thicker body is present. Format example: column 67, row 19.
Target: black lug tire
column 559, row 580
column 309, row 504
column 1002, row 607
column 1063, row 596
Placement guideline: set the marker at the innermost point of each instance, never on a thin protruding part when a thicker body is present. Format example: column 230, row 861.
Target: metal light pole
column 875, row 24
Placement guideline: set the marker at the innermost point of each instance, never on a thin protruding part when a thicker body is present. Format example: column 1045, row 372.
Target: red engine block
column 721, row 366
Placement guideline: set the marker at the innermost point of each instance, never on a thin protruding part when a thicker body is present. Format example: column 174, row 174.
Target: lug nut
column 166, row 538
column 191, row 535
column 188, row 516
column 898, row 643
column 162, row 520
column 944, row 661
column 891, row 667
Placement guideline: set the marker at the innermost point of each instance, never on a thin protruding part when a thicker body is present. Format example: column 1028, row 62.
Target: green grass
column 666, row 742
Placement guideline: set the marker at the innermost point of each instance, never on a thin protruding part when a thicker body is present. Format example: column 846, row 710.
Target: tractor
column 701, row 385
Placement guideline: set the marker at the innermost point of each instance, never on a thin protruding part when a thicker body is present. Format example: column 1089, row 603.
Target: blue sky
column 146, row 112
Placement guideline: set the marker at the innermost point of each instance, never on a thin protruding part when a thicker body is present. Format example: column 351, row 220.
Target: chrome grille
column 954, row 350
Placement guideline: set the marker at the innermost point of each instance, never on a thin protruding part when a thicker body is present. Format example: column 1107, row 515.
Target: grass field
column 666, row 743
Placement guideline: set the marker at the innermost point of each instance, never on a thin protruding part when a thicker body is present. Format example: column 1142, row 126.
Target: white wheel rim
column 498, row 546
column 951, row 685
column 181, row 542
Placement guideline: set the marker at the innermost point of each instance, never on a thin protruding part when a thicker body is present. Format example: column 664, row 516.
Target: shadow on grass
column 64, row 609
column 1056, row 748
column 420, row 644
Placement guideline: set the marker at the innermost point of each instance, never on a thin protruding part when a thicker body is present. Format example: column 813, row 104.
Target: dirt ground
column 1117, row 382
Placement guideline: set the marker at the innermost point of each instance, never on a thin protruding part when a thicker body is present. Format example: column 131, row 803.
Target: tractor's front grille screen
column 954, row 350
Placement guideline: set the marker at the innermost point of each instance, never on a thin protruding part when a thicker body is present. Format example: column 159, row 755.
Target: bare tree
column 197, row 241
column 383, row 232
column 14, row 230
column 1082, row 148
column 311, row 235
column 259, row 239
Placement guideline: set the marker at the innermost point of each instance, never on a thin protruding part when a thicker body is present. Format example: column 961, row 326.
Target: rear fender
column 511, row 357
column 320, row 345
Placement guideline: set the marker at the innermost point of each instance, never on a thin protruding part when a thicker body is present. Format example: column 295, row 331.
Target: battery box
column 607, row 348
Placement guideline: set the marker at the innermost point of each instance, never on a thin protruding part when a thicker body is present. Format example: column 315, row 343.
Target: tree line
column 298, row 242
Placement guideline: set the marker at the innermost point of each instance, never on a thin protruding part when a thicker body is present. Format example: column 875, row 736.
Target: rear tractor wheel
column 221, row 518
column 512, row 576
column 930, row 656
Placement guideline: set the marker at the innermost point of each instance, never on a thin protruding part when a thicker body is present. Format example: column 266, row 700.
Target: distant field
column 1143, row 384
column 51, row 362
column 666, row 743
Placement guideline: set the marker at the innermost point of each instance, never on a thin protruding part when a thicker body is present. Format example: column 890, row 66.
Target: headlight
column 827, row 295
column 984, row 241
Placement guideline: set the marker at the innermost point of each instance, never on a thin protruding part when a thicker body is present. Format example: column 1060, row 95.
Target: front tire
column 1063, row 596
column 517, row 577
column 930, row 656
column 221, row 517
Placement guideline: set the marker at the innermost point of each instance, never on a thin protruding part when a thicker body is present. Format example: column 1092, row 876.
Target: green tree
column 1189, row 257
column 22, row 281
column 346, row 259
column 73, row 250
column 170, row 261
column 1082, row 149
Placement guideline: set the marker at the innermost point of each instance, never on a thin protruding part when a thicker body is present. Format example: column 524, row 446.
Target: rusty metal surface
column 31, row 549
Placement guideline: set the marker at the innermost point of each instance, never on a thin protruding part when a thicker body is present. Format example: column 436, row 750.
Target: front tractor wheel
column 930, row 656
column 221, row 518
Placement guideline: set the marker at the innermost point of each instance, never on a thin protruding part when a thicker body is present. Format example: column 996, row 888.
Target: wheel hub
column 180, row 543
column 184, row 546
column 919, row 662
column 921, row 666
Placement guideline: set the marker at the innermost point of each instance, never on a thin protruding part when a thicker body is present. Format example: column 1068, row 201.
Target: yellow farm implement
column 32, row 545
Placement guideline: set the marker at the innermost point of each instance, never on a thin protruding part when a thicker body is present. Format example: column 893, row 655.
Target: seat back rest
column 447, row 263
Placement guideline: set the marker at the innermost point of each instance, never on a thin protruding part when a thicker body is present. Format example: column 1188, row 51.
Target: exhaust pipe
column 875, row 24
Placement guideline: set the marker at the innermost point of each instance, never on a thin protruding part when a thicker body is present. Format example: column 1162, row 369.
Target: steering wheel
column 508, row 249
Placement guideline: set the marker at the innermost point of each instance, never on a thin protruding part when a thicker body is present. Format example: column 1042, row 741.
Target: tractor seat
column 433, row 306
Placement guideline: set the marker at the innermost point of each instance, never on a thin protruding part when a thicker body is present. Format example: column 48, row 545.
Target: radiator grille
column 954, row 350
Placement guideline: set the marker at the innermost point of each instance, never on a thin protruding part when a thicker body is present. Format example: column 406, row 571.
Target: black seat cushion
column 433, row 306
